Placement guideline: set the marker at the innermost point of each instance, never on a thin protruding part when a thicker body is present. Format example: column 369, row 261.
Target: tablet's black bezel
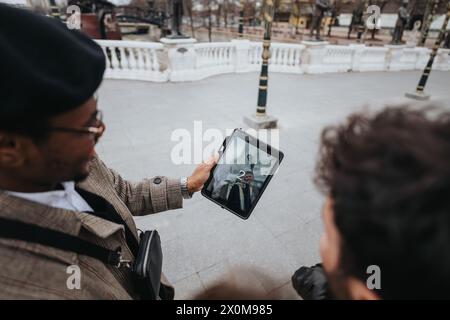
column 259, row 145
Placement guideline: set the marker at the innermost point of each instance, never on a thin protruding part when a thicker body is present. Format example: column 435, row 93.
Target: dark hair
column 226, row 291
column 241, row 284
column 389, row 178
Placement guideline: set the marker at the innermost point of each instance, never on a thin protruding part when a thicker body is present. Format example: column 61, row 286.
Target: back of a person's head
column 226, row 291
column 388, row 175
column 242, row 283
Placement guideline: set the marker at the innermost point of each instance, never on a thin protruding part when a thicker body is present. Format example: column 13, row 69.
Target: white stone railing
column 214, row 58
column 369, row 58
column 442, row 60
column 285, row 57
column 416, row 59
column 195, row 61
column 333, row 58
column 388, row 20
column 133, row 60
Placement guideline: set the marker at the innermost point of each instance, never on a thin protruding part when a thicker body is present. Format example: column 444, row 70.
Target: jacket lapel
column 106, row 193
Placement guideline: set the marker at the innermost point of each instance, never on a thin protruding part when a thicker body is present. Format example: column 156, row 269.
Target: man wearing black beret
column 51, row 177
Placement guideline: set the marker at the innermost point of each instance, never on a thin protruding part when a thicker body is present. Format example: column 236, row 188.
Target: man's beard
column 77, row 171
column 80, row 177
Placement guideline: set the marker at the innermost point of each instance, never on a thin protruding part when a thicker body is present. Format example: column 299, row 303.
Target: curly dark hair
column 389, row 177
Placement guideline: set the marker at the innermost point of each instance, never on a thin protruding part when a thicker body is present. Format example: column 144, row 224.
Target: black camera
column 311, row 283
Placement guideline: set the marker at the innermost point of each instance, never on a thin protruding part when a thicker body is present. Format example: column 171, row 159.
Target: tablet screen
column 242, row 173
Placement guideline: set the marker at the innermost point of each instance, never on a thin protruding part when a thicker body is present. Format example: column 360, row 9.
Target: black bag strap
column 103, row 209
column 18, row 230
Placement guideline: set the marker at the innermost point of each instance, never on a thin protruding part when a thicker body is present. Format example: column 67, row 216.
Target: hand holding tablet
column 243, row 171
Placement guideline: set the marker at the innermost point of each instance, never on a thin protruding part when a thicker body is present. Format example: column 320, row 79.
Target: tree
column 218, row 13
column 225, row 12
column 208, row 3
column 189, row 9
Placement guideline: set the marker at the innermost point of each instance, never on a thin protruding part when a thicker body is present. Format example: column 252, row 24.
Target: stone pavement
column 202, row 242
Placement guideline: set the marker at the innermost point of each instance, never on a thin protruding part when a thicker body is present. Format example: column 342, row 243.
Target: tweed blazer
column 33, row 271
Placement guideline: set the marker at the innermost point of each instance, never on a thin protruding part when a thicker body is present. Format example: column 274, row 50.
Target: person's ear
column 11, row 151
column 359, row 290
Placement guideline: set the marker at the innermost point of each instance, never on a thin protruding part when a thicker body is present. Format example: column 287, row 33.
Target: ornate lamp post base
column 418, row 96
column 261, row 122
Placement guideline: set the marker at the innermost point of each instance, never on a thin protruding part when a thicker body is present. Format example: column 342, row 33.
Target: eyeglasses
column 96, row 130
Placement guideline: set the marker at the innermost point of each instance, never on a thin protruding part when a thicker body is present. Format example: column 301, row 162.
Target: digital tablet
column 243, row 171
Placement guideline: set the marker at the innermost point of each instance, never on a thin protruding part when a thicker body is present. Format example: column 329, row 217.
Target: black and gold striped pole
column 241, row 19
column 261, row 120
column 264, row 76
column 428, row 19
column 420, row 94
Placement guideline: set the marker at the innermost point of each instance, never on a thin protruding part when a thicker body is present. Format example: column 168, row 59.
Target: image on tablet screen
column 240, row 175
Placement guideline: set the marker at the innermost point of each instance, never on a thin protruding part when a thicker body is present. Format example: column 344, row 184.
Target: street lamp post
column 264, row 76
column 428, row 19
column 209, row 21
column 241, row 19
column 420, row 94
column 261, row 120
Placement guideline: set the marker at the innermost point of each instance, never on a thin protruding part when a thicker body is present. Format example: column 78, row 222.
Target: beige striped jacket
column 34, row 271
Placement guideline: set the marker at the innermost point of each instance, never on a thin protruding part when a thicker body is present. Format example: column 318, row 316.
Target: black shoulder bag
column 146, row 267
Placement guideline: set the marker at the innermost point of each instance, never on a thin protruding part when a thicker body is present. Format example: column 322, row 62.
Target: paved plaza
column 202, row 242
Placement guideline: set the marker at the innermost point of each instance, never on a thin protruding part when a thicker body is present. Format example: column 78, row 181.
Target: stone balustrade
column 214, row 58
column 195, row 61
column 134, row 60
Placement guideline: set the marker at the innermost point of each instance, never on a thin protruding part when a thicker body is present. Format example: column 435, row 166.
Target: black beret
column 45, row 68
